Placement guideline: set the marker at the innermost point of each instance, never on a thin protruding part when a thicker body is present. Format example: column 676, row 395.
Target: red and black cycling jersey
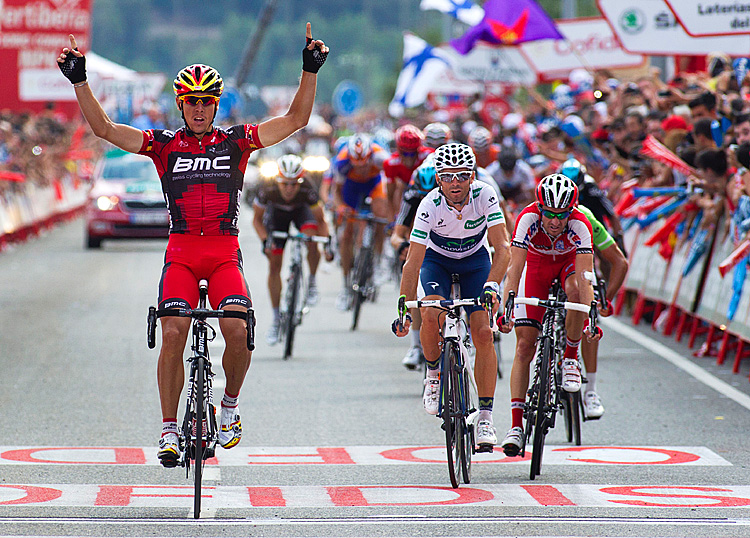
column 202, row 179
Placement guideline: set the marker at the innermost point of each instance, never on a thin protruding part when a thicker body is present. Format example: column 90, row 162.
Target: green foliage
column 365, row 37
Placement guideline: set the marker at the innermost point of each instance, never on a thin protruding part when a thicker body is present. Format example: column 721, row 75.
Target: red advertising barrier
column 692, row 298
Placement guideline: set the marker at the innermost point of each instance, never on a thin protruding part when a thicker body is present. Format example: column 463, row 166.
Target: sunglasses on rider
column 292, row 183
column 407, row 153
column 555, row 215
column 450, row 177
column 205, row 100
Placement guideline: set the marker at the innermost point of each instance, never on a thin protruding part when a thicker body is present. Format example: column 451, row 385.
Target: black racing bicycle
column 459, row 402
column 545, row 396
column 362, row 282
column 295, row 295
column 198, row 434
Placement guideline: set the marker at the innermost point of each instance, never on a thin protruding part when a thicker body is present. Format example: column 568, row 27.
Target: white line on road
column 678, row 360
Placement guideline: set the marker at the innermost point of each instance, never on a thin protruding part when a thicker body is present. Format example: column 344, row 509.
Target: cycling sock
column 230, row 401
column 485, row 414
column 590, row 381
column 276, row 314
column 415, row 342
column 516, row 412
column 433, row 373
column 571, row 348
column 485, row 404
column 311, row 280
column 168, row 425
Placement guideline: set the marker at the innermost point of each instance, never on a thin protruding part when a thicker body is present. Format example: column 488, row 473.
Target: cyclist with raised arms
column 291, row 198
column 400, row 166
column 201, row 168
column 453, row 229
column 552, row 239
column 358, row 175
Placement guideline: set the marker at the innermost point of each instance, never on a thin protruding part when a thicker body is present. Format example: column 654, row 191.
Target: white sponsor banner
column 589, row 44
column 110, row 496
column 366, row 455
column 44, row 85
column 711, row 18
column 491, row 64
column 650, row 27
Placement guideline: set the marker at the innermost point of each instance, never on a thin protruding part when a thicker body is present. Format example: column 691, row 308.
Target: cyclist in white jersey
column 453, row 228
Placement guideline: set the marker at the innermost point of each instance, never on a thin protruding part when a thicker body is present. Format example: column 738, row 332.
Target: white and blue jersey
column 457, row 234
column 456, row 241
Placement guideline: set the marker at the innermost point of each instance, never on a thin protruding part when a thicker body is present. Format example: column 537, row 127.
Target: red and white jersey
column 530, row 235
column 394, row 168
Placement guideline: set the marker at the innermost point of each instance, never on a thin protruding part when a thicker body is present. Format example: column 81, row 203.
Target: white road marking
column 678, row 360
column 363, row 455
column 108, row 496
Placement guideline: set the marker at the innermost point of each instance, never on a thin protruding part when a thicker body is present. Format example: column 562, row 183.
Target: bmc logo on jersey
column 187, row 164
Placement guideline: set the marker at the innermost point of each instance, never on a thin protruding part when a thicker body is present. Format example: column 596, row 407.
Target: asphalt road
column 335, row 440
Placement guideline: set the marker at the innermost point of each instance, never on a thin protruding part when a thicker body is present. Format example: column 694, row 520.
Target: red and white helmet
column 408, row 137
column 557, row 192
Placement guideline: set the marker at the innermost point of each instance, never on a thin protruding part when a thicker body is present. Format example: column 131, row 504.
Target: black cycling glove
column 312, row 60
column 74, row 68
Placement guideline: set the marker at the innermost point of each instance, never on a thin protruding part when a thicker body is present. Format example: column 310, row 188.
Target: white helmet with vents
column 454, row 156
column 290, row 166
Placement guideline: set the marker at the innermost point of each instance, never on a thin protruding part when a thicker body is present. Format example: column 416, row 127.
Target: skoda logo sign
column 632, row 21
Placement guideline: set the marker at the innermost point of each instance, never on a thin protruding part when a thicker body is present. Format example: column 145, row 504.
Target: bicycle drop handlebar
column 447, row 304
column 301, row 237
column 200, row 314
column 591, row 310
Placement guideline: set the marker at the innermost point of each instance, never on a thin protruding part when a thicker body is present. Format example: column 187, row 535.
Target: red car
column 126, row 200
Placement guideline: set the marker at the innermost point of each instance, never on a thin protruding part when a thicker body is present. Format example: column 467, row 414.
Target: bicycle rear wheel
column 199, row 418
column 291, row 309
column 542, row 404
column 451, row 424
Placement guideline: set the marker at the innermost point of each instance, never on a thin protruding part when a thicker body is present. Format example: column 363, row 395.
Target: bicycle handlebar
column 369, row 217
column 591, row 310
column 200, row 314
column 301, row 237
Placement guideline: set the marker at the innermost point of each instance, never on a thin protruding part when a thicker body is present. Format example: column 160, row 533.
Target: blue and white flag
column 423, row 65
column 464, row 10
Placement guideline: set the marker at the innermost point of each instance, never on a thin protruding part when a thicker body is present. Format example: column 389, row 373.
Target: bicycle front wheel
column 452, row 425
column 542, row 404
column 199, row 433
column 467, row 430
column 295, row 283
column 360, row 277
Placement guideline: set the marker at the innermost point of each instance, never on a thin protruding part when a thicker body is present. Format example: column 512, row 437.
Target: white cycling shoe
column 571, row 375
column 592, row 406
column 513, row 442
column 431, row 396
column 486, row 436
column 413, row 358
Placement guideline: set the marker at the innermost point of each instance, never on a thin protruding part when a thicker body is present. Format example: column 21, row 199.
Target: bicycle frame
column 459, row 401
column 198, row 435
column 362, row 286
column 543, row 398
column 295, row 306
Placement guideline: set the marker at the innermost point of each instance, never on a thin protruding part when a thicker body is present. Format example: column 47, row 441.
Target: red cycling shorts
column 190, row 258
column 536, row 280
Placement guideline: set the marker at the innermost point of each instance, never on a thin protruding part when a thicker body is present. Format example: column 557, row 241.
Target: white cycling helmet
column 290, row 167
column 437, row 134
column 359, row 147
column 480, row 138
column 557, row 191
column 454, row 155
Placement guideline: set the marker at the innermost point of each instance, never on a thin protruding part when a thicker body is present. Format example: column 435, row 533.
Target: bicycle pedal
column 485, row 447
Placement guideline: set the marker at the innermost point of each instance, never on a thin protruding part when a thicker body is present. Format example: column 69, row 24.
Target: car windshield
column 131, row 169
